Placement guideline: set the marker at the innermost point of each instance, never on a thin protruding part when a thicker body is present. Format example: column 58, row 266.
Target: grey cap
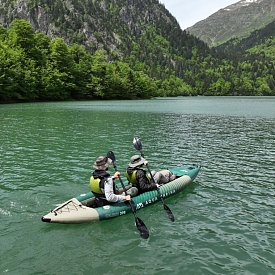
column 102, row 163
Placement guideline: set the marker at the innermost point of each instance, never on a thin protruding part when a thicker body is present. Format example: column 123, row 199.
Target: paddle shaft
column 149, row 170
column 154, row 182
column 125, row 191
column 166, row 208
column 144, row 232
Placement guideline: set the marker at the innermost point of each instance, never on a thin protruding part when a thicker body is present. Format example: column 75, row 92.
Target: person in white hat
column 102, row 183
column 137, row 175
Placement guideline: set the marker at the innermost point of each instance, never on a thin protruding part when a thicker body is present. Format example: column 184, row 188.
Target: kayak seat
column 92, row 202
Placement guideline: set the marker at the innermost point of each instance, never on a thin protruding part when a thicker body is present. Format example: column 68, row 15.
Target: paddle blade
column 143, row 231
column 111, row 156
column 137, row 143
column 169, row 213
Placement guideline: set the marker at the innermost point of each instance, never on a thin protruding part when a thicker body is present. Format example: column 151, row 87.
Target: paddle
column 138, row 145
column 143, row 231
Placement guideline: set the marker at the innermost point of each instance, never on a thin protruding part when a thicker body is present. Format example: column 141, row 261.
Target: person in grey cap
column 102, row 183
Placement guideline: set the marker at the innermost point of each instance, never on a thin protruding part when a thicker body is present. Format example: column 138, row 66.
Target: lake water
column 225, row 221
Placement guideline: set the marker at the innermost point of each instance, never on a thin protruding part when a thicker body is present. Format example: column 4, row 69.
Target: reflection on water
column 224, row 221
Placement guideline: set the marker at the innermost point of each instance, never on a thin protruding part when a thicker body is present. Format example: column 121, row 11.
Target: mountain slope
column 88, row 22
column 101, row 24
column 258, row 42
column 131, row 30
column 143, row 42
column 237, row 20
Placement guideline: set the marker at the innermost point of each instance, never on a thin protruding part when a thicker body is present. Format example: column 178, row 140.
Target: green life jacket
column 96, row 185
column 132, row 178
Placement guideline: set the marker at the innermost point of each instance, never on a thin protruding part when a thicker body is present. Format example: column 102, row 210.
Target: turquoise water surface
column 225, row 221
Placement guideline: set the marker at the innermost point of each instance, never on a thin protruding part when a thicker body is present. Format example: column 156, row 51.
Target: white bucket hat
column 135, row 161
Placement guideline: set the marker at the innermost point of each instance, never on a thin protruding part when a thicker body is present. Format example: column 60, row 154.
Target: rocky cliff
column 101, row 24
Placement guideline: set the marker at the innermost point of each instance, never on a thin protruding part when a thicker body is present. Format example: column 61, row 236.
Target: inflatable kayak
column 77, row 210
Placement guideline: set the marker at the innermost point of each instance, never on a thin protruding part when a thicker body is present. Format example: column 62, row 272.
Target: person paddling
column 103, row 184
column 137, row 176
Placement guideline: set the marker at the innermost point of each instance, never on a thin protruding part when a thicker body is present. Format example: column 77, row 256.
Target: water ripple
column 224, row 221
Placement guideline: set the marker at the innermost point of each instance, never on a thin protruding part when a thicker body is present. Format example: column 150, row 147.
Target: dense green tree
column 80, row 72
column 3, row 32
column 21, row 35
column 159, row 63
column 10, row 67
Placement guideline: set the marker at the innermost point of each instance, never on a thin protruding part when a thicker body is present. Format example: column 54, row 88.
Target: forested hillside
column 33, row 67
column 114, row 49
column 260, row 42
